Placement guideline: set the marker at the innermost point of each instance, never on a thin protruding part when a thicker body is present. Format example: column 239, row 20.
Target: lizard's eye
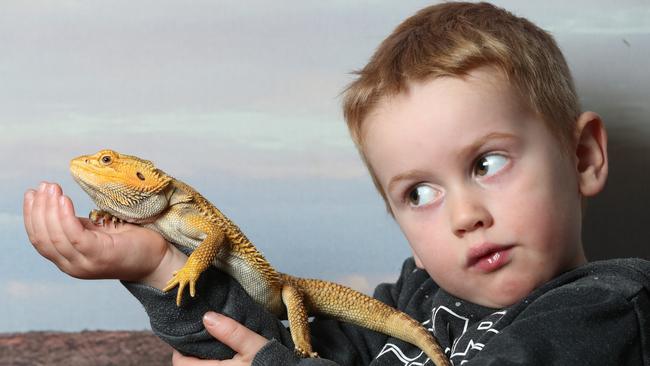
column 106, row 159
column 140, row 175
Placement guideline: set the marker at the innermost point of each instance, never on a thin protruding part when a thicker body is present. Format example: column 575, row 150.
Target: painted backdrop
column 241, row 100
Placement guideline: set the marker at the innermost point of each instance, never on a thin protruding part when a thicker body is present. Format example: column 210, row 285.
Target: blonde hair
column 451, row 39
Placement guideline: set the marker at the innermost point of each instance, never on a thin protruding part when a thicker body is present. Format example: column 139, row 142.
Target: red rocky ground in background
column 96, row 348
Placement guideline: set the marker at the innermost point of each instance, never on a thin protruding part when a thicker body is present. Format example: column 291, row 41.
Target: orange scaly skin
column 134, row 190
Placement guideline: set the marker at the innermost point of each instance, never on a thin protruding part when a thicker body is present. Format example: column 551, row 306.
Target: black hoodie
column 597, row 314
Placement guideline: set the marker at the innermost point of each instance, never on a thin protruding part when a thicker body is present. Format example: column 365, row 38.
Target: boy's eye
column 422, row 195
column 489, row 165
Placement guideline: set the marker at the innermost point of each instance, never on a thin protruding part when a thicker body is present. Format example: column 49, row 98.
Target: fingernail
column 51, row 189
column 41, row 187
column 62, row 201
column 29, row 195
column 211, row 319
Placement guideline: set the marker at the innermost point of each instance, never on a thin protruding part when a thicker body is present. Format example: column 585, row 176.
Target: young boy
column 467, row 119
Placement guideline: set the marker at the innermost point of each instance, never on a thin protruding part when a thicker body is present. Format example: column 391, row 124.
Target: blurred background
column 242, row 101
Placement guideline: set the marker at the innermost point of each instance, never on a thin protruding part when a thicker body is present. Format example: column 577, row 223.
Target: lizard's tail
column 345, row 304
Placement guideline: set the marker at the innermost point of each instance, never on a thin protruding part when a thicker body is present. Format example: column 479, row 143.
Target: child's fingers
column 179, row 360
column 242, row 340
column 53, row 223
column 81, row 239
column 28, row 202
column 37, row 223
column 37, row 228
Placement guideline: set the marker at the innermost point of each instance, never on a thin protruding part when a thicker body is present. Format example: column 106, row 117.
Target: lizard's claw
column 181, row 278
column 101, row 217
column 304, row 354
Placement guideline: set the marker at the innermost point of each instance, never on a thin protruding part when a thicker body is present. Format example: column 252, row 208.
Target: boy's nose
column 468, row 215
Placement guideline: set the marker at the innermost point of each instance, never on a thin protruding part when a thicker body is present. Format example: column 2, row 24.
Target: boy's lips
column 488, row 257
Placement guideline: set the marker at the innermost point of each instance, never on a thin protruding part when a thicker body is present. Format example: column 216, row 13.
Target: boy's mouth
column 488, row 257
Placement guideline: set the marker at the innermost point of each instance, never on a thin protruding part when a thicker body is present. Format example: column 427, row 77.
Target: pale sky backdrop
column 241, row 100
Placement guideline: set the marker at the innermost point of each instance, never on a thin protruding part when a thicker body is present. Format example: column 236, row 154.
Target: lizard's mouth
column 82, row 171
column 77, row 168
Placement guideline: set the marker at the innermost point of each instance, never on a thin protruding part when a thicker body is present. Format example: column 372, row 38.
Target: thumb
column 228, row 331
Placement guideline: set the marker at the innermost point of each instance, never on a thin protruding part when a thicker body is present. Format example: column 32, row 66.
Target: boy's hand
column 88, row 251
column 242, row 340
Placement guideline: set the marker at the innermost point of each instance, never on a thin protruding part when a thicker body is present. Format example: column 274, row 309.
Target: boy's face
column 480, row 187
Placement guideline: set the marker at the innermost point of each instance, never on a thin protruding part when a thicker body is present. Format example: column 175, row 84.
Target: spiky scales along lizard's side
column 134, row 190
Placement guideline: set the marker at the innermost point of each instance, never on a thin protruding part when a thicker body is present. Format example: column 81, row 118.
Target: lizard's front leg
column 200, row 259
column 101, row 217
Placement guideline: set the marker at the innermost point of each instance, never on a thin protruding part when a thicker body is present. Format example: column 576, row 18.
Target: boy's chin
column 504, row 294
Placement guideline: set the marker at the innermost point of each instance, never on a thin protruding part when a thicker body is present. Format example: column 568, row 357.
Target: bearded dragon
column 127, row 188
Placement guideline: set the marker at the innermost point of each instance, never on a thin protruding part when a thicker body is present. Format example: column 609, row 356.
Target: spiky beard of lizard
column 128, row 204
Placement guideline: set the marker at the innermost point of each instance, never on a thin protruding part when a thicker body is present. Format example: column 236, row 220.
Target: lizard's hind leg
column 298, row 320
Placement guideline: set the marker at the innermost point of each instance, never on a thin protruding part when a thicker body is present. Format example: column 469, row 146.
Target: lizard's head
column 121, row 184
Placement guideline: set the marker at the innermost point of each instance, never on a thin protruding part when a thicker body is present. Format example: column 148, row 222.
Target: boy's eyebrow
column 465, row 151
column 411, row 174
column 476, row 145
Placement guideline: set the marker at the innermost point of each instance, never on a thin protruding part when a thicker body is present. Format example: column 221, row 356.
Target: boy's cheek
column 418, row 262
column 439, row 260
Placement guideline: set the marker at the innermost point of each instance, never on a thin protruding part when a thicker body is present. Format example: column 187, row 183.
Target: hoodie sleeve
column 182, row 328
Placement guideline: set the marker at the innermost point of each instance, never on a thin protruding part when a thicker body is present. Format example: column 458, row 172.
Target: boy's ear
column 591, row 154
